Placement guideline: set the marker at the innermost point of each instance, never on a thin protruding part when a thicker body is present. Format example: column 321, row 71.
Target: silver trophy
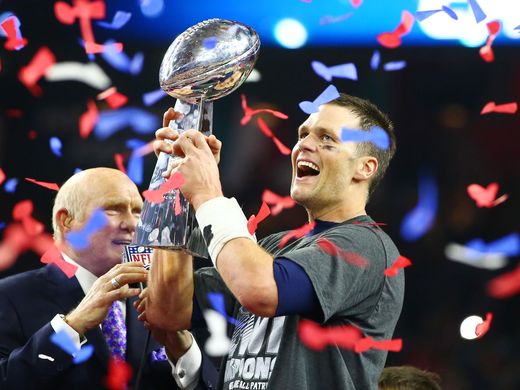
column 204, row 63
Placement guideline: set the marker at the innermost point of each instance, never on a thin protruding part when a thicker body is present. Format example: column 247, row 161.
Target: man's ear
column 366, row 168
column 64, row 220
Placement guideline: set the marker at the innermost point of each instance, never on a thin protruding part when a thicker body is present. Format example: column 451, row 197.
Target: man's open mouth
column 306, row 168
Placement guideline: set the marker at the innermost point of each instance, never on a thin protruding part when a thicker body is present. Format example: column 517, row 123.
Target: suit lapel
column 67, row 294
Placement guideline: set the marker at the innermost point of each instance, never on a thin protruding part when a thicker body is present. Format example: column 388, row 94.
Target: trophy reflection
column 204, row 63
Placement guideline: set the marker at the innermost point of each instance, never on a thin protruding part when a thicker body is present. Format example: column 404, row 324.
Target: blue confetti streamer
column 477, row 11
column 10, row 185
column 394, row 65
column 55, row 144
column 112, row 121
column 152, row 97
column 508, row 245
column 151, row 8
column 374, row 61
column 79, row 239
column 330, row 93
column 418, row 221
column 376, row 135
column 120, row 19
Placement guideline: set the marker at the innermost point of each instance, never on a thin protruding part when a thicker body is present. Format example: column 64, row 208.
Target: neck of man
column 338, row 212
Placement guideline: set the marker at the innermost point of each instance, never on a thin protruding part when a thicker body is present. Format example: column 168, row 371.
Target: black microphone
column 133, row 253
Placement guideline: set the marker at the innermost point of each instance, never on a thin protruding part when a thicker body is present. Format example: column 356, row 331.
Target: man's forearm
column 170, row 290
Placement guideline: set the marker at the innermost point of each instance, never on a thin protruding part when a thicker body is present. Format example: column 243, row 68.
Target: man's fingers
column 161, row 146
column 131, row 277
column 122, row 293
column 170, row 115
column 166, row 133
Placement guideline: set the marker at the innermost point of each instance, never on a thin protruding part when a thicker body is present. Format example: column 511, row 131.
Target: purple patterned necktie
column 114, row 330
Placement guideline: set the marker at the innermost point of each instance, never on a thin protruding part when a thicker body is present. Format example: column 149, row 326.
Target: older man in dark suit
column 92, row 307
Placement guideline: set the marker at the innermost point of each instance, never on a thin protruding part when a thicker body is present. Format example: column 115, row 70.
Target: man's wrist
column 198, row 200
column 71, row 321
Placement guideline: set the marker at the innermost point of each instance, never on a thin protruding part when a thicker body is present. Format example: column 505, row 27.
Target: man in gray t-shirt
column 271, row 286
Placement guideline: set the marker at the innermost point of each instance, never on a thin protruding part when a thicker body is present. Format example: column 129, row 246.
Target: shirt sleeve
column 350, row 280
column 296, row 293
column 187, row 369
column 59, row 324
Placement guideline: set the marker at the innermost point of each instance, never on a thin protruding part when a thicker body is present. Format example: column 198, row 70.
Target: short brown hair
column 369, row 116
column 408, row 378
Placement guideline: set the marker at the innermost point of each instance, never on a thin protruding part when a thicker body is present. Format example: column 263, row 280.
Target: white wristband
column 221, row 220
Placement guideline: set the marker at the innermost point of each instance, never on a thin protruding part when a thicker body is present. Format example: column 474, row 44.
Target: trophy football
column 206, row 62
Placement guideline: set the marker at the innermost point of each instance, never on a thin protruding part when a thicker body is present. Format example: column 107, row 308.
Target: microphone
column 133, row 253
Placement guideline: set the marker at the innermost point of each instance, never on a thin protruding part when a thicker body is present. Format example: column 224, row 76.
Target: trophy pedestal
column 171, row 224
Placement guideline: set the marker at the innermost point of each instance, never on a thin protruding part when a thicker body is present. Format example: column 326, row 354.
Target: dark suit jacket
column 28, row 302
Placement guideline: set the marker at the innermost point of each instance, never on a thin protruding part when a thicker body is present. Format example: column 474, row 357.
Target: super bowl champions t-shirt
column 266, row 353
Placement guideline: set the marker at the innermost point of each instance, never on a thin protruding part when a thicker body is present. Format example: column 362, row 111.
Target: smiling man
column 269, row 288
column 94, row 306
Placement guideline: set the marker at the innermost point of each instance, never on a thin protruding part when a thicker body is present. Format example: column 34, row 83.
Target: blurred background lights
column 290, row 33
column 468, row 327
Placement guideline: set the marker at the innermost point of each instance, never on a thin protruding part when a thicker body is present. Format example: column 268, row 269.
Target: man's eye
column 326, row 137
column 302, row 135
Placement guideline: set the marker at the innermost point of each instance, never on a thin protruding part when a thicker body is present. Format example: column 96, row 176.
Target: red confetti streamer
column 32, row 135
column 84, row 11
column 485, row 197
column 505, row 285
column 2, row 176
column 367, row 343
column 177, row 206
column 356, row 3
column 13, row 42
column 401, row 262
column 350, row 257
column 53, row 256
column 263, row 213
column 88, row 119
column 486, row 52
column 113, row 98
column 315, row 337
column 156, row 196
column 118, row 158
column 392, row 39
column 22, row 212
column 14, row 113
column 483, row 328
column 277, row 202
column 297, row 233
column 50, row 186
column 507, row 108
column 36, row 69
column 267, row 131
column 119, row 373
column 249, row 112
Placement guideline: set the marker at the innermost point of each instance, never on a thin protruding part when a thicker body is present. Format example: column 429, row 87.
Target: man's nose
column 307, row 143
column 128, row 221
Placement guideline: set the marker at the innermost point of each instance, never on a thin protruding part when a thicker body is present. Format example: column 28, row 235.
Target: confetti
column 30, row 74
column 421, row 218
column 119, row 60
column 249, row 112
column 135, row 162
column 10, row 185
column 315, row 337
column 120, row 19
column 2, row 176
column 210, row 43
column 477, row 11
column 346, row 71
column 83, row 354
column 333, row 250
column 507, row 108
column 90, row 74
column 45, row 357
column 62, row 340
column 118, row 158
column 277, row 202
column 486, row 52
column 109, row 122
column 79, row 239
column 50, row 186
column 483, row 328
column 88, row 119
column 394, row 65
column 177, row 207
column 153, row 97
column 375, row 135
column 471, row 257
column 119, row 373
column 11, row 27
column 375, row 60
column 253, row 221
column 367, row 343
column 505, row 285
column 217, row 302
column 400, row 263
column 281, row 147
column 157, row 196
column 53, row 256
column 113, row 98
column 334, row 19
column 391, row 40
column 450, row 12
column 218, row 343
column 297, row 233
column 356, row 3
column 422, row 15
column 329, row 94
column 22, row 211
column 486, row 197
column 508, row 245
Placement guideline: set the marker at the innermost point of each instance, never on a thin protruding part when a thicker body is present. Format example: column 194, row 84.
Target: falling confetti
column 11, row 27
column 507, row 108
column 400, row 263
column 297, row 233
column 79, row 239
column 55, row 145
column 391, row 40
column 249, row 112
column 30, row 74
column 508, row 245
column 477, row 11
column 277, row 202
column 254, row 220
column 120, row 19
column 112, row 121
column 375, row 135
column 486, row 52
column 90, row 74
column 153, row 97
column 53, row 256
column 88, row 119
column 267, row 131
column 315, row 337
column 346, row 71
column 486, row 196
column 119, row 374
column 333, row 250
column 329, row 94
column 50, row 186
column 505, row 285
column 157, row 196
